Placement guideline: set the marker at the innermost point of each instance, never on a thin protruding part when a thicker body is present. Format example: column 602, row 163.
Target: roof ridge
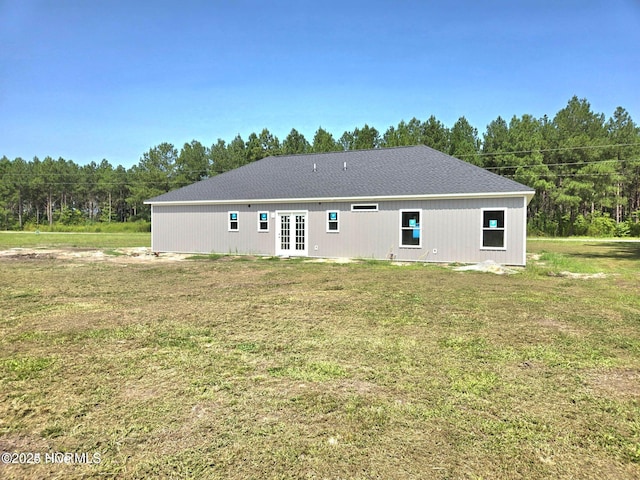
column 340, row 152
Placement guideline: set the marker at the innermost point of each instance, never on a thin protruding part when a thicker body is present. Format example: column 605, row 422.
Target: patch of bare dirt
column 488, row 266
column 329, row 260
column 617, row 383
column 582, row 276
column 23, row 443
column 117, row 255
column 358, row 386
column 556, row 325
column 138, row 394
column 25, row 254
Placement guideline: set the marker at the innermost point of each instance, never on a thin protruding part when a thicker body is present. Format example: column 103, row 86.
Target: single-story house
column 405, row 203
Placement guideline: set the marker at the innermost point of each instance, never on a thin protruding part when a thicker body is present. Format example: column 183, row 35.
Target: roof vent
column 344, row 166
column 314, row 168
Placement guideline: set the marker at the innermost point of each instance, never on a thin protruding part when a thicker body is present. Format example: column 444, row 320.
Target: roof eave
column 529, row 194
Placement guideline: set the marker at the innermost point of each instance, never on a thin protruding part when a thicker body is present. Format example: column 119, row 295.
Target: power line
column 545, row 150
column 562, row 163
column 573, row 174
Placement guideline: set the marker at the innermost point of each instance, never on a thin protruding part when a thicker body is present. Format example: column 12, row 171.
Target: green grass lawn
column 588, row 255
column 215, row 368
column 83, row 240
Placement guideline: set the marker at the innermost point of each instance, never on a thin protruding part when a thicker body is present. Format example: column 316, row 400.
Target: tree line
column 585, row 169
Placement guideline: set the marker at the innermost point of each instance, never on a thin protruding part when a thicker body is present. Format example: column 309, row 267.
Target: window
column 263, row 221
column 333, row 221
column 410, row 228
column 368, row 207
column 493, row 231
column 233, row 221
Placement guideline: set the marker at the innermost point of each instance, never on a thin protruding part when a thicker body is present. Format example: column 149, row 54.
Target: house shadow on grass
column 612, row 250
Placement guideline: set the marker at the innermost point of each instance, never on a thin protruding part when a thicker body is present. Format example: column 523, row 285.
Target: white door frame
column 298, row 245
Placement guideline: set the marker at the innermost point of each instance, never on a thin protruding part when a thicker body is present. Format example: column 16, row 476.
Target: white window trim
column 354, row 207
column 482, row 228
column 229, row 221
column 336, row 221
column 419, row 210
column 259, row 222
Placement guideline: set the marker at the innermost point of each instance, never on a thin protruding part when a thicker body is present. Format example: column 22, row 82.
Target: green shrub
column 601, row 225
column 69, row 216
column 596, row 224
column 623, row 229
column 580, row 225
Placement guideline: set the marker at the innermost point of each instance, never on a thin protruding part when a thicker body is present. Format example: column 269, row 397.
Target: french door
column 291, row 233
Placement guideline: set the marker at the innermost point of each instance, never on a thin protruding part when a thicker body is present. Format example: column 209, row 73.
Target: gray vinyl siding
column 452, row 227
column 204, row 229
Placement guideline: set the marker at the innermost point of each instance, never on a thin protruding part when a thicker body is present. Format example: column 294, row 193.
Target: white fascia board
column 527, row 194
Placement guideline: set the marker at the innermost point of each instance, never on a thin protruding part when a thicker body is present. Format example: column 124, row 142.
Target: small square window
column 233, row 222
column 263, row 221
column 333, row 224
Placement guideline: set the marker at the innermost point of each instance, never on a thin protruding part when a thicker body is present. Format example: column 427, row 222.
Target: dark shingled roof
column 386, row 172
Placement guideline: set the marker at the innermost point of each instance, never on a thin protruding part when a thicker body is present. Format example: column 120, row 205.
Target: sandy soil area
column 118, row 255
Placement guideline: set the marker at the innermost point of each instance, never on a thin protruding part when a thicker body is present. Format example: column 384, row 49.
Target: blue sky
column 87, row 80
